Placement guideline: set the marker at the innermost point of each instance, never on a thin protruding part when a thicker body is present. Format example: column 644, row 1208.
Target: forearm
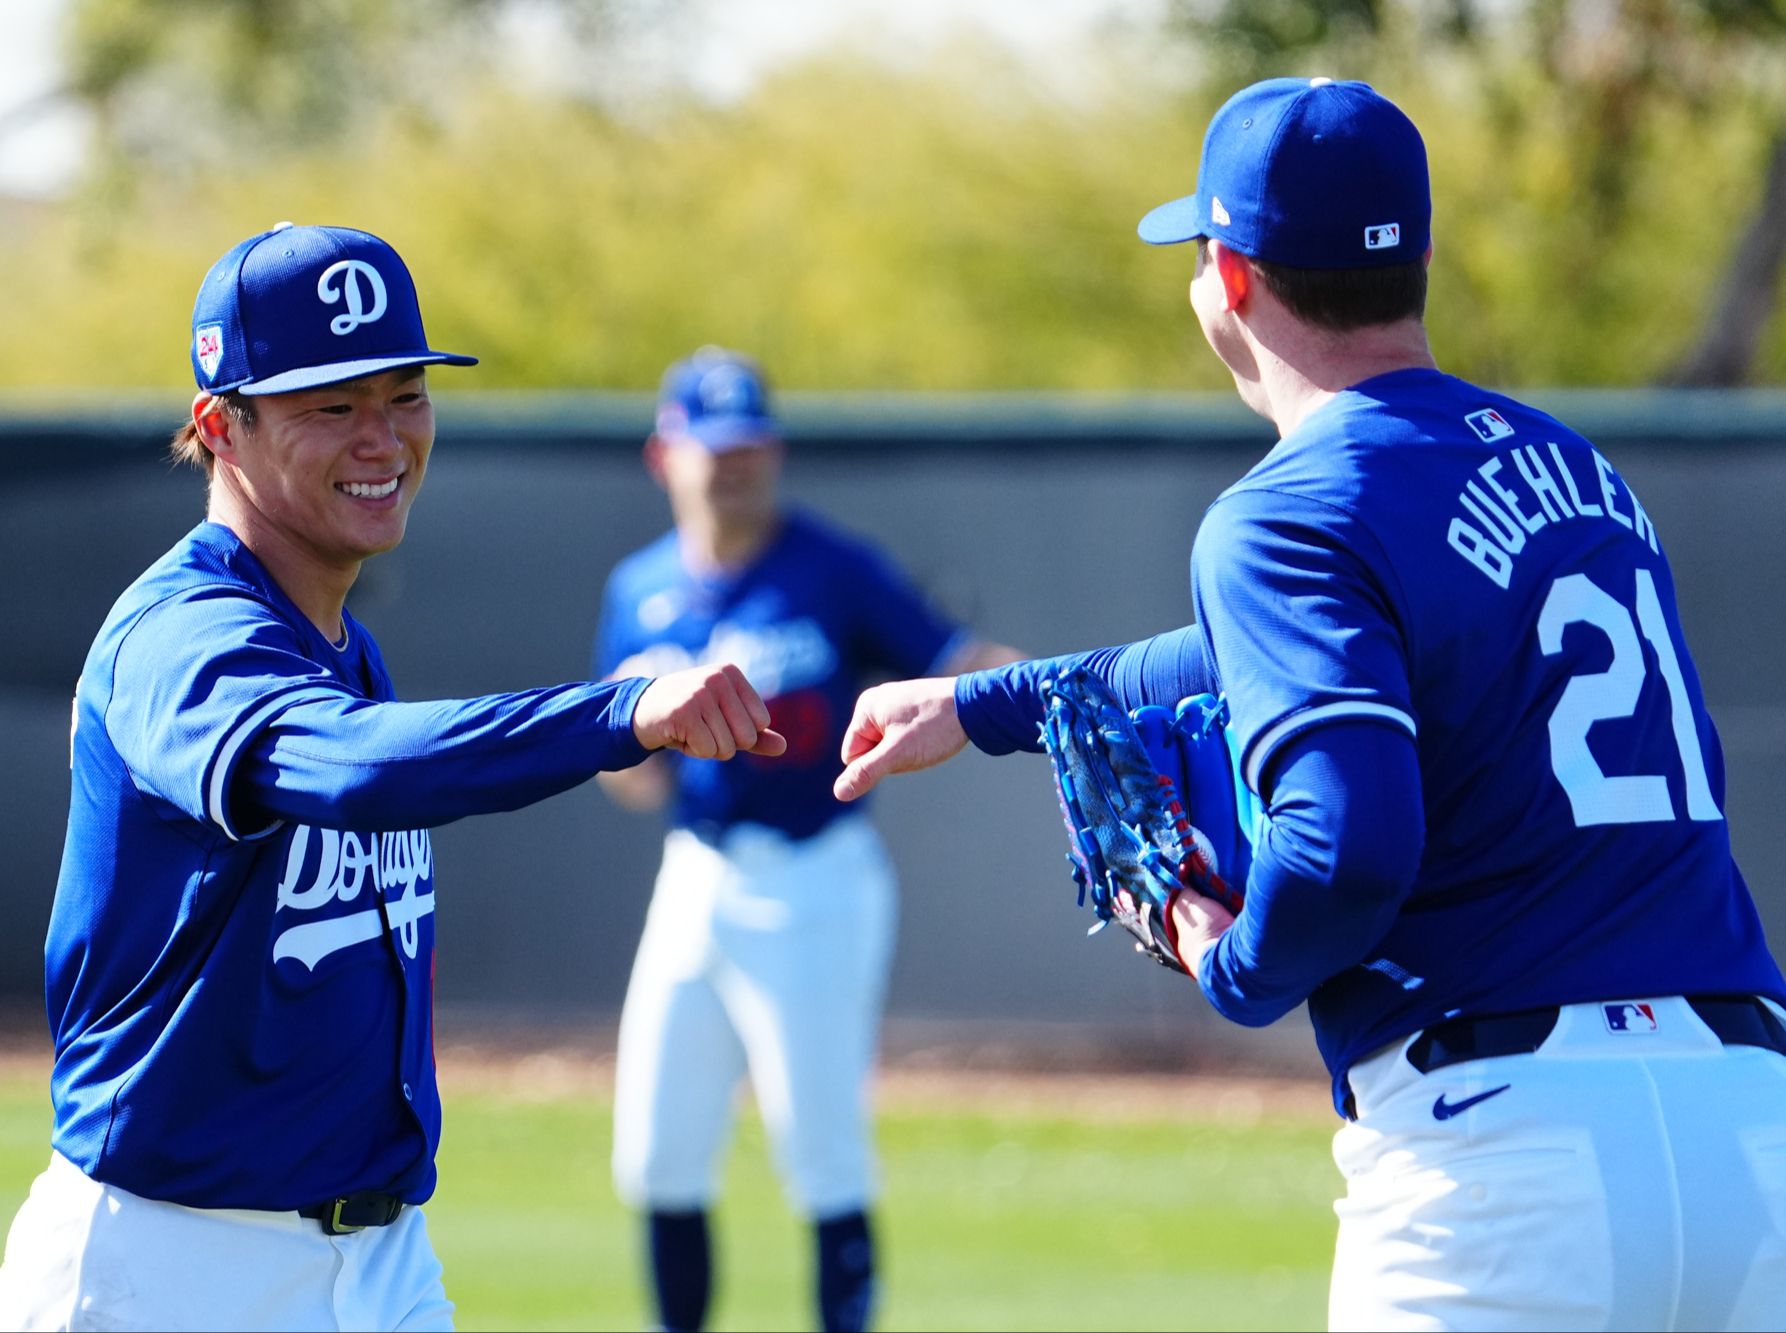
column 1001, row 709
column 342, row 762
column 1338, row 856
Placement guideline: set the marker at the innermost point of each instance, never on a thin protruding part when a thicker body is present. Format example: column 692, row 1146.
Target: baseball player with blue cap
column 1494, row 860
column 240, row 962
column 771, row 928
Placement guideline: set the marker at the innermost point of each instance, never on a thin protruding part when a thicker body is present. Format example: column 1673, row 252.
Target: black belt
column 1736, row 1020
column 355, row 1212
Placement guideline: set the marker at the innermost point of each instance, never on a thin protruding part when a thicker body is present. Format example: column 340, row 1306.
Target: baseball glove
column 1124, row 783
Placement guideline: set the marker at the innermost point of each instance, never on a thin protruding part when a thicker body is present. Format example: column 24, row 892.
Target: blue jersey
column 241, row 953
column 808, row 620
column 1434, row 558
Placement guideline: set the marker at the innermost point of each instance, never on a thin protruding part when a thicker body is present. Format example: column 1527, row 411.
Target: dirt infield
column 993, row 1069
column 552, row 1072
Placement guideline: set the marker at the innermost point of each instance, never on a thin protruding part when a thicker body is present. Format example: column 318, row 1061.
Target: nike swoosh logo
column 1444, row 1110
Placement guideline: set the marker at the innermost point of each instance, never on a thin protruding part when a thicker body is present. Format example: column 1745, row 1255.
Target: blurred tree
column 175, row 83
column 1611, row 75
column 862, row 224
column 856, row 227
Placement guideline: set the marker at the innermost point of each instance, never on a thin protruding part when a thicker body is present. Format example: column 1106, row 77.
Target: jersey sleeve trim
column 223, row 767
column 1267, row 741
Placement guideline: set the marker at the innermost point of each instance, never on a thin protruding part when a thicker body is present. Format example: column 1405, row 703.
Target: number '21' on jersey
column 1438, row 558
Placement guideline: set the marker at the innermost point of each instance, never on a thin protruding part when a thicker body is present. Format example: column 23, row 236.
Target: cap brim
column 316, row 377
column 1180, row 220
column 722, row 433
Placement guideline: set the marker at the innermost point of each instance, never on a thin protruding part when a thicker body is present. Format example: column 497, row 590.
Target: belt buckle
column 332, row 1223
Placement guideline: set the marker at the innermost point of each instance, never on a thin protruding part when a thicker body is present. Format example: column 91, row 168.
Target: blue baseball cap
column 299, row 307
column 1308, row 173
column 719, row 398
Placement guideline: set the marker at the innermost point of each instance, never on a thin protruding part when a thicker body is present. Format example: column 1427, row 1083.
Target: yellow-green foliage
column 1533, row 282
column 859, row 226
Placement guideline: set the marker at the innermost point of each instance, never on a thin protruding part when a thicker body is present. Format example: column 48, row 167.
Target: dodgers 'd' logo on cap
column 349, row 291
column 727, row 388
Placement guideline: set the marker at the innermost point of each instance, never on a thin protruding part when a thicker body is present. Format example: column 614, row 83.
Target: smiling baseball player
column 1495, row 863
column 240, row 961
column 771, row 928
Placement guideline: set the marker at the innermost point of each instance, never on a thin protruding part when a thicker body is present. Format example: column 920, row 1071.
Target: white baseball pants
column 82, row 1255
column 767, row 956
column 1612, row 1179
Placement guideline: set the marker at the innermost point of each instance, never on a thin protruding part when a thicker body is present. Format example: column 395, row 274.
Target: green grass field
column 1033, row 1218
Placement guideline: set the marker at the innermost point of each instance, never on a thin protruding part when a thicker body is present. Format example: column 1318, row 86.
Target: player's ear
column 213, row 426
column 653, row 454
column 1235, row 272
column 1427, row 258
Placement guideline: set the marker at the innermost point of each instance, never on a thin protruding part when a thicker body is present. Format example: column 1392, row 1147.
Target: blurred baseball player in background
column 771, row 928
column 1495, row 863
column 241, row 952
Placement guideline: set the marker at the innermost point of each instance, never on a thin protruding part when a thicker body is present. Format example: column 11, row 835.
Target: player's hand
column 1197, row 923
column 899, row 728
column 707, row 712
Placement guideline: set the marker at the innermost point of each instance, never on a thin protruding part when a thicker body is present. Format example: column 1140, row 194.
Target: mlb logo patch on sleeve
column 1489, row 424
column 1629, row 1016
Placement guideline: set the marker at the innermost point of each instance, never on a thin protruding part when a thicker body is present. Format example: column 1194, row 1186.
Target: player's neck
column 710, row 542
column 1304, row 368
column 317, row 587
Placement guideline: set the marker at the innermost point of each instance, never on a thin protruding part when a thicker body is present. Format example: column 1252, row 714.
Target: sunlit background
column 920, row 216
column 876, row 194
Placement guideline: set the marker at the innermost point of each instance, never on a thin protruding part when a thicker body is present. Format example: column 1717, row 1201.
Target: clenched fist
column 707, row 712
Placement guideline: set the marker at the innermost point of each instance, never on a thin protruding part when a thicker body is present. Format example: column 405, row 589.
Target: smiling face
column 326, row 475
